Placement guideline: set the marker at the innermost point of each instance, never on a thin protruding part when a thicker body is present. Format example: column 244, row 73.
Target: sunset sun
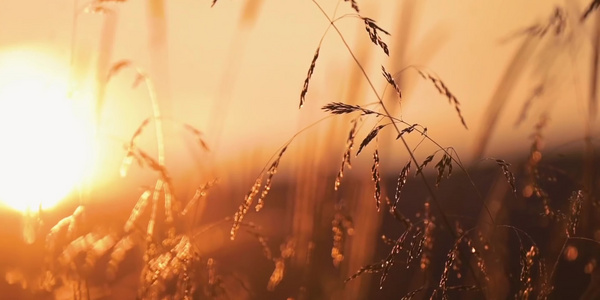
column 44, row 142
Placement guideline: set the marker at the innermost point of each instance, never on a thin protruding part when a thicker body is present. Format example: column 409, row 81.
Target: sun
column 44, row 140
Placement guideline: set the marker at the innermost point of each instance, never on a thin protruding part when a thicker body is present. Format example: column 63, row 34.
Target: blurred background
column 234, row 71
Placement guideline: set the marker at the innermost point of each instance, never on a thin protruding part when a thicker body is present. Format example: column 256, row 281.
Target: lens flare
column 44, row 141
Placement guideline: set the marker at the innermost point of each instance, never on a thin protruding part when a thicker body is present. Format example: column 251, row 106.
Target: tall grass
column 437, row 229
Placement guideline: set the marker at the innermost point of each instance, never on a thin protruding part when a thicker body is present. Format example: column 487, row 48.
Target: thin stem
column 160, row 144
column 337, row 5
column 160, row 140
column 349, row 50
column 562, row 250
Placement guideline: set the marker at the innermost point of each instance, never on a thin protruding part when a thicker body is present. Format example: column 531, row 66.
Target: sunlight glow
column 44, row 142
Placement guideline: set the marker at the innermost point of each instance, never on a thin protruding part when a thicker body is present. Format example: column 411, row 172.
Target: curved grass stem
column 394, row 123
column 388, row 115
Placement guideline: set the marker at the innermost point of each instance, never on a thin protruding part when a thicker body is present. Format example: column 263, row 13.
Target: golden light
column 44, row 141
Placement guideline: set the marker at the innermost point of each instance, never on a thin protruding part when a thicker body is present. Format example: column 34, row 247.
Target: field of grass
column 362, row 202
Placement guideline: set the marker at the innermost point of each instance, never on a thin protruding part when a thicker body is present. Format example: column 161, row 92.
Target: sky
column 235, row 71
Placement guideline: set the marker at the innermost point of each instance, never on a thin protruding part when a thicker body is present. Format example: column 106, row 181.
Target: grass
column 440, row 229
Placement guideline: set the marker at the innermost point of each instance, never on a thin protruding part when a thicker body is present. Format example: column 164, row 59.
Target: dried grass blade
column 129, row 158
column 287, row 249
column 370, row 23
column 277, row 274
column 369, row 138
column 372, row 29
column 510, row 177
column 311, row 69
column 168, row 204
column 77, row 246
column 543, row 195
column 444, row 90
column 463, row 288
column 243, row 209
column 449, row 164
column 410, row 129
column 137, row 210
column 428, row 235
column 452, row 255
column 376, row 179
column 139, row 78
column 424, row 164
column 139, row 130
column 98, row 249
column 412, row 293
column 76, row 218
column 415, row 249
column 183, row 249
column 445, row 161
column 212, row 274
column 67, row 224
column 397, row 214
column 155, row 196
column 391, row 81
column 354, row 5
column 593, row 6
column 267, row 187
column 58, row 227
column 575, row 201
column 527, row 259
column 116, row 68
column 339, row 108
column 389, row 261
column 200, row 193
column 346, row 160
column 118, row 255
column 400, row 184
column 156, row 271
column 155, row 166
column 199, row 136
column 373, row 268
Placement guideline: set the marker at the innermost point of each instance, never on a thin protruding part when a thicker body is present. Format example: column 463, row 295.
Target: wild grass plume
column 410, row 220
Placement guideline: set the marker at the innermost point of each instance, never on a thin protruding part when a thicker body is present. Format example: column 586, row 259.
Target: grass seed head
column 267, row 187
column 402, row 177
column 311, row 69
column 376, row 179
column 373, row 30
column 391, row 81
column 354, row 5
column 369, row 138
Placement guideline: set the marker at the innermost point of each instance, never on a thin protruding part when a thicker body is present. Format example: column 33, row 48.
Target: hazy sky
column 236, row 70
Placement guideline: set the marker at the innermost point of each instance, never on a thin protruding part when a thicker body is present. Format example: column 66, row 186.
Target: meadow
column 253, row 168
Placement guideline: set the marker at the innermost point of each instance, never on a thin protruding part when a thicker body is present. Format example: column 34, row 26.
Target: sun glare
column 43, row 140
